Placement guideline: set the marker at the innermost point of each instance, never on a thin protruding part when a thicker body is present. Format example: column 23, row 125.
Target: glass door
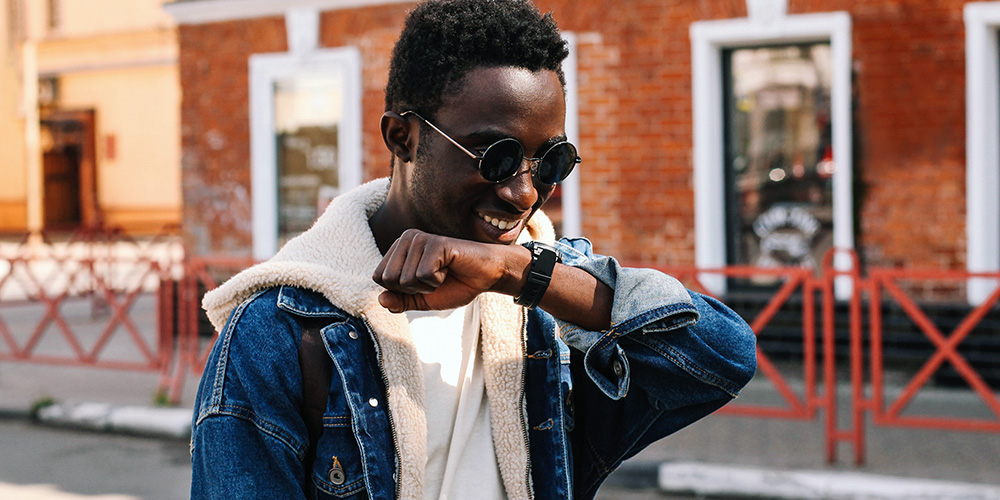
column 778, row 160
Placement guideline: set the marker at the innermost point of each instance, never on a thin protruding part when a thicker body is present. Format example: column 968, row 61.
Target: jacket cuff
column 643, row 299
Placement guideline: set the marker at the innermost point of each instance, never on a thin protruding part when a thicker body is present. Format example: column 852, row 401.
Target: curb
column 746, row 482
column 173, row 423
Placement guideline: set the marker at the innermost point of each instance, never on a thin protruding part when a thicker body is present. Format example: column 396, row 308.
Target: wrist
column 517, row 264
column 539, row 273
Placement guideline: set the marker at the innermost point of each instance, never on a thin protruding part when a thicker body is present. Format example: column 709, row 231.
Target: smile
column 500, row 224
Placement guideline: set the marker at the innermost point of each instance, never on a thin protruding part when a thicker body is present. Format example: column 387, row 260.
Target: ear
column 396, row 135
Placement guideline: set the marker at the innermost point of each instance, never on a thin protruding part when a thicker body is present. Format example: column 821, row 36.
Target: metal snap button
column 337, row 475
column 617, row 367
column 373, row 402
column 353, row 334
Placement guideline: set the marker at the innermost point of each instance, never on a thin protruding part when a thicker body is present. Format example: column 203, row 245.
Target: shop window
column 772, row 142
column 306, row 139
column 307, row 115
column 779, row 162
column 982, row 80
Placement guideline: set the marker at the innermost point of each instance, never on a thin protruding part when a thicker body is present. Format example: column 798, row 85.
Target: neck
column 386, row 225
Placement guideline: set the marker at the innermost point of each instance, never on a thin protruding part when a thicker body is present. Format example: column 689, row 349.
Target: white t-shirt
column 461, row 461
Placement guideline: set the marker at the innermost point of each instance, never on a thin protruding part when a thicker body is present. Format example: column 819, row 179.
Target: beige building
column 89, row 115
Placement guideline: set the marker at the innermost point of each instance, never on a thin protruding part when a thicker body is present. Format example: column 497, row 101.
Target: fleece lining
column 336, row 257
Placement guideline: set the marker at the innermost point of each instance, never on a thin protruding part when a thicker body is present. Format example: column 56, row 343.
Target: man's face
column 446, row 194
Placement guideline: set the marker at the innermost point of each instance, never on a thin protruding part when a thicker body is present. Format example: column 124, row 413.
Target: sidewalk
column 719, row 457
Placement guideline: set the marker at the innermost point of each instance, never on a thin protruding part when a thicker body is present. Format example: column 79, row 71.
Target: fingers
column 413, row 265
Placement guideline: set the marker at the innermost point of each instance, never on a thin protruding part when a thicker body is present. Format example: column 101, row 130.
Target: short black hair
column 443, row 39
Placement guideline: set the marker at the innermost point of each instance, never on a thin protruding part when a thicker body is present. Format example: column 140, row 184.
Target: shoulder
column 277, row 305
column 269, row 322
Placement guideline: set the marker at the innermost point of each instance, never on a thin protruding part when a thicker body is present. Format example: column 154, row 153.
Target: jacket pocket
column 337, row 468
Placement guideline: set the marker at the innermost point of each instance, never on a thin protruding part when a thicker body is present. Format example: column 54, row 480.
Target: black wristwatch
column 543, row 261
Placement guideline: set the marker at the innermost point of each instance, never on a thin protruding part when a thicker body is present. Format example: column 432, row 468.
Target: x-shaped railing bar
column 947, row 348
column 119, row 316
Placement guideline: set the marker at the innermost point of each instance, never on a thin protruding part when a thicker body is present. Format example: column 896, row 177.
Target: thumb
column 392, row 301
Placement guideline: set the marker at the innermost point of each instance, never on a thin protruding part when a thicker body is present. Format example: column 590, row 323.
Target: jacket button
column 337, row 476
column 353, row 334
column 373, row 402
column 617, row 367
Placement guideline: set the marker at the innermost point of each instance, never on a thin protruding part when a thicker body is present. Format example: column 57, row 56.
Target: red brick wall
column 910, row 85
column 215, row 130
column 634, row 77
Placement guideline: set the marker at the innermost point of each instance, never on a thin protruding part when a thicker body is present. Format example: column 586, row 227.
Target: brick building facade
column 899, row 137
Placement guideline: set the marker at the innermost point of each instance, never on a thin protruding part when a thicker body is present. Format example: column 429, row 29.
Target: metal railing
column 109, row 301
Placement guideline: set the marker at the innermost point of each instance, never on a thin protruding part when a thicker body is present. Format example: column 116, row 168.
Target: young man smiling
column 465, row 353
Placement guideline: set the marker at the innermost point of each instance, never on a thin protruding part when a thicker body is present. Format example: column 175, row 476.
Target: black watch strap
column 543, row 261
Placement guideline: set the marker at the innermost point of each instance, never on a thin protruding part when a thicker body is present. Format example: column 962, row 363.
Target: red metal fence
column 828, row 319
column 109, row 301
column 72, row 300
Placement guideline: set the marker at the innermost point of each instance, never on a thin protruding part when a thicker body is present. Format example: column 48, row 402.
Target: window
column 308, row 109
column 781, row 127
column 982, row 80
column 779, row 165
column 53, row 14
column 305, row 139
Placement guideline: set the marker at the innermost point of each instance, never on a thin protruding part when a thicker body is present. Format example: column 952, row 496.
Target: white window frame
column 571, row 217
column 982, row 134
column 265, row 70
column 708, row 40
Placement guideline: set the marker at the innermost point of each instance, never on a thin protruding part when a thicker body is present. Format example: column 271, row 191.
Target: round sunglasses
column 502, row 159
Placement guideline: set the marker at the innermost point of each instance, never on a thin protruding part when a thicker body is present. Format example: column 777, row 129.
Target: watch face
column 537, row 248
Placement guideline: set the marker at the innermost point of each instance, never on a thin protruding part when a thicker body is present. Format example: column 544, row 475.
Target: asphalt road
column 39, row 462
column 45, row 463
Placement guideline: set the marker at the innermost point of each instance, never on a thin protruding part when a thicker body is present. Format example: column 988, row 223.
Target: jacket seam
column 264, row 425
column 227, row 335
column 695, row 370
column 658, row 314
column 295, row 308
column 344, row 489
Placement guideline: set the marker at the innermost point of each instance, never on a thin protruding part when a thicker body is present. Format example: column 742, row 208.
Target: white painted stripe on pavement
column 149, row 421
column 723, row 480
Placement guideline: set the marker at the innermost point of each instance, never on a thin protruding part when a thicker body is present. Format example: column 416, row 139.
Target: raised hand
column 425, row 271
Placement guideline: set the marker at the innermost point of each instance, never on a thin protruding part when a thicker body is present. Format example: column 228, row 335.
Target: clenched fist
column 425, row 271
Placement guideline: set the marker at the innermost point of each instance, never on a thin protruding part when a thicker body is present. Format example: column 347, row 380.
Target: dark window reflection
column 778, row 152
column 307, row 113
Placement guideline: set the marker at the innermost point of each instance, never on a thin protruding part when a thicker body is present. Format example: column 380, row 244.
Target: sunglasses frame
column 533, row 163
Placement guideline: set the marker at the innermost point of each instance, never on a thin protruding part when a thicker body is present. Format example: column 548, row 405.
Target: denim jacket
column 568, row 405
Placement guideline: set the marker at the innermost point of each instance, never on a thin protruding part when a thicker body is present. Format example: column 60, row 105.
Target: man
column 459, row 363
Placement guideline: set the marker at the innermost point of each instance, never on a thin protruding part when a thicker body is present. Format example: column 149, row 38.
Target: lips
column 503, row 230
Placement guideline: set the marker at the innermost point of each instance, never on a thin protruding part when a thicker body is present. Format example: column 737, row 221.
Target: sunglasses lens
column 557, row 163
column 501, row 160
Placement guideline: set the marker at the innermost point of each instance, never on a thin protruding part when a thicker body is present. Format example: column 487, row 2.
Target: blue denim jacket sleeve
column 688, row 334
column 248, row 440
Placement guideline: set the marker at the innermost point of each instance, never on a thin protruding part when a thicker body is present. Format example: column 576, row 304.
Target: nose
column 520, row 190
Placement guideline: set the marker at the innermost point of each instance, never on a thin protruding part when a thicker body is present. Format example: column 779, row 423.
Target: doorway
column 69, row 170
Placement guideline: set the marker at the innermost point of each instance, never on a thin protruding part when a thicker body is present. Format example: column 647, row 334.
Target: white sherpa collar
column 336, row 257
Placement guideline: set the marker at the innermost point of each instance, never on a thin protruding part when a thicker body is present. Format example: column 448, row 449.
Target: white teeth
column 499, row 224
